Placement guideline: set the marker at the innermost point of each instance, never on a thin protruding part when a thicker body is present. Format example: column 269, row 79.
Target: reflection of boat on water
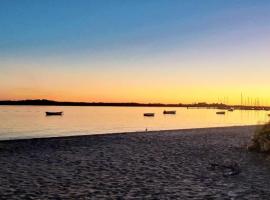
column 172, row 112
column 149, row 114
column 54, row 113
column 220, row 113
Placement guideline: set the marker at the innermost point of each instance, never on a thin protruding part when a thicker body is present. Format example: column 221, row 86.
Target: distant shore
column 148, row 165
column 45, row 102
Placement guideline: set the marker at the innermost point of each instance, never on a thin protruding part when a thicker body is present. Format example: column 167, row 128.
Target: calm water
column 30, row 121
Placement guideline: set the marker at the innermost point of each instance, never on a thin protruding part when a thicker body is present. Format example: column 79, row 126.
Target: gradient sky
column 135, row 51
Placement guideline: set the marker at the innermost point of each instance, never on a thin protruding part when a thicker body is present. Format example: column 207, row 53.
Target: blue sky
column 184, row 36
column 45, row 26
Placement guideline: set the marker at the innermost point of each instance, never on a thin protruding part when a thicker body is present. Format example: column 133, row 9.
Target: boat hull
column 220, row 113
column 149, row 114
column 54, row 113
column 167, row 112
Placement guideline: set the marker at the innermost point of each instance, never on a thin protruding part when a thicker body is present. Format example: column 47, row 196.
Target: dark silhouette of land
column 45, row 102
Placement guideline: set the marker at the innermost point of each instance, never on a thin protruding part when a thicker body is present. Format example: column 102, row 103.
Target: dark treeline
column 45, row 102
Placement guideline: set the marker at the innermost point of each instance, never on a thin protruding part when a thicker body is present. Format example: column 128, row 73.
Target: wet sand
column 146, row 165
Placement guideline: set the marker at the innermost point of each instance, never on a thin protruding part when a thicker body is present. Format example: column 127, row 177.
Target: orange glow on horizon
column 157, row 80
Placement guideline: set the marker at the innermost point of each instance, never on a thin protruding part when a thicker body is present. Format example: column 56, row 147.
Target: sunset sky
column 135, row 50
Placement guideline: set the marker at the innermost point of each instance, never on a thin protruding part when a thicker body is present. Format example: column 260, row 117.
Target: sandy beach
column 146, row 165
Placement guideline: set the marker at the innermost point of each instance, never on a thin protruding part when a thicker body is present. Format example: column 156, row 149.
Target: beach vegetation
column 261, row 139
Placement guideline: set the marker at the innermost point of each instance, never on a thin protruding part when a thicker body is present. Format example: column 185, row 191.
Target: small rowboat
column 53, row 113
column 172, row 112
column 149, row 114
column 231, row 109
column 220, row 113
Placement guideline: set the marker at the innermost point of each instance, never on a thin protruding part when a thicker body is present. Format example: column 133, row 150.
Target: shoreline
column 46, row 102
column 146, row 165
column 131, row 132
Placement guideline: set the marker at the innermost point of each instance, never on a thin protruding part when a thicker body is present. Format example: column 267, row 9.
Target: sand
column 147, row 165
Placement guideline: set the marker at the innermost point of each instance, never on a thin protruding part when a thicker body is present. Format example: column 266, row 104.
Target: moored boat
column 53, row 113
column 231, row 109
column 220, row 113
column 172, row 112
column 149, row 114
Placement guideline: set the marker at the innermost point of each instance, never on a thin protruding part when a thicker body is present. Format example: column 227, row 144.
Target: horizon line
column 74, row 103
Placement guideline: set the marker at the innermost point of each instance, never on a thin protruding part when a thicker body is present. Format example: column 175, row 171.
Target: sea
column 21, row 122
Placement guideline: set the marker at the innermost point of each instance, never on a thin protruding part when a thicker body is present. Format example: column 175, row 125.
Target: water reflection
column 30, row 121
